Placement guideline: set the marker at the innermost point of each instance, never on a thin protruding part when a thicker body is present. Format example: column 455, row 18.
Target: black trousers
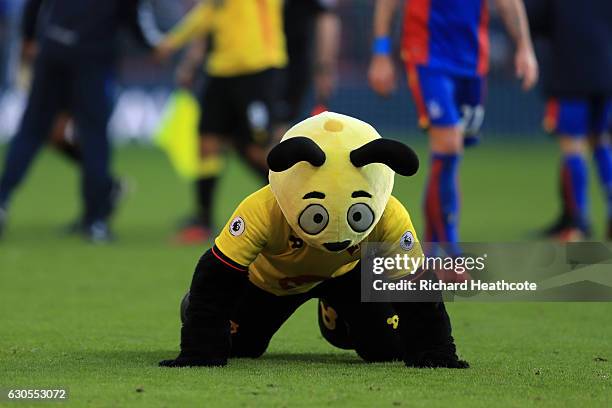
column 84, row 88
column 260, row 314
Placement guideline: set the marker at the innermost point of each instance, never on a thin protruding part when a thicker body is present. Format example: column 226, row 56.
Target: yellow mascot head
column 332, row 176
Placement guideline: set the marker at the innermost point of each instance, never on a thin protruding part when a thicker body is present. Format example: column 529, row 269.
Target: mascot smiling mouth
column 337, row 246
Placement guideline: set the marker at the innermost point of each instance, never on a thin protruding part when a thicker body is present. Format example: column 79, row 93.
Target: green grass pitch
column 98, row 319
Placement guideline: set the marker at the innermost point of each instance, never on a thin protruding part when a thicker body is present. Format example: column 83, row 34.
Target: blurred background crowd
column 145, row 85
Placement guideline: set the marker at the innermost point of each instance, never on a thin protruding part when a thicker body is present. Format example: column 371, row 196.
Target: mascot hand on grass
column 299, row 238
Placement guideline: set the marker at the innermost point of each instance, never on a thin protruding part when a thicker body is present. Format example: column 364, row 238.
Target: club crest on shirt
column 237, row 226
column 407, row 241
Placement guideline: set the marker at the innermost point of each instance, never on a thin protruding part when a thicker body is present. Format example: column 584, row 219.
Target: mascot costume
column 299, row 238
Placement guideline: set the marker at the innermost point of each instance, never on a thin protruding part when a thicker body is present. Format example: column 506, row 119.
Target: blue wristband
column 382, row 45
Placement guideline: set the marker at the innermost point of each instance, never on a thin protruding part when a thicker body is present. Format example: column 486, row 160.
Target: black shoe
column 3, row 217
column 119, row 190
column 563, row 223
column 98, row 233
column 609, row 232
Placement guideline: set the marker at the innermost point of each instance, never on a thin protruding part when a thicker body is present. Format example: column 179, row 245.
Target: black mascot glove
column 426, row 333
column 205, row 335
column 188, row 360
column 444, row 357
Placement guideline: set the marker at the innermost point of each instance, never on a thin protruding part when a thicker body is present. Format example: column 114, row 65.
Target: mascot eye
column 360, row 217
column 313, row 219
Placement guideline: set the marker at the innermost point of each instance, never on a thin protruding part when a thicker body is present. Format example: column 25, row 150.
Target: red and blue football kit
column 578, row 82
column 578, row 116
column 445, row 45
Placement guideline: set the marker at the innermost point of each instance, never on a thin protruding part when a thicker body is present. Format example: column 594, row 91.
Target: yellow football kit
column 259, row 238
column 247, row 35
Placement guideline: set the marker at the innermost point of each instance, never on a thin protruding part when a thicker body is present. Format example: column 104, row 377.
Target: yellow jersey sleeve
column 396, row 230
column 248, row 37
column 247, row 232
column 195, row 24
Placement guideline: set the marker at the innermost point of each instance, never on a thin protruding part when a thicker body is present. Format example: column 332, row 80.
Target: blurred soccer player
column 445, row 47
column 578, row 85
column 63, row 137
column 75, row 68
column 239, row 96
column 65, row 141
column 62, row 130
column 312, row 29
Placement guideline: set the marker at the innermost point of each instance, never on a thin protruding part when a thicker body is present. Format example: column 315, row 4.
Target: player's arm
column 139, row 18
column 205, row 334
column 327, row 44
column 381, row 74
column 190, row 63
column 194, row 25
column 425, row 327
column 514, row 17
column 216, row 286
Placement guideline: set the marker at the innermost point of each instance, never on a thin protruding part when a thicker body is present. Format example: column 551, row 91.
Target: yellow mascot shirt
column 259, row 238
column 247, row 35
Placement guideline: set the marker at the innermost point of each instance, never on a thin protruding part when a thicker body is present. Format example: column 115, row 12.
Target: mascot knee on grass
column 299, row 238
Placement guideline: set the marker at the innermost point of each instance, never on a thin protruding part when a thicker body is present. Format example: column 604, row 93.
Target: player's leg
column 568, row 119
column 257, row 318
column 91, row 103
column 426, row 334
column 372, row 328
column 600, row 117
column 48, row 83
column 434, row 96
column 470, row 98
column 63, row 141
column 290, row 101
column 255, row 156
column 255, row 103
column 62, row 138
column 198, row 228
column 332, row 326
column 214, row 125
column 335, row 330
column 296, row 81
column 299, row 30
column 563, row 221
